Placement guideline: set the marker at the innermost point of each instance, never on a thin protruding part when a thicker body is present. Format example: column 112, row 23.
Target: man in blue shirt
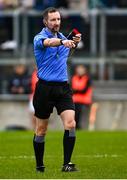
column 51, row 49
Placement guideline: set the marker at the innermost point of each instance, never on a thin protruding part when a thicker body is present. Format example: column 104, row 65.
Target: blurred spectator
column 78, row 4
column 9, row 4
column 1, row 4
column 82, row 96
column 27, row 4
column 19, row 82
column 34, row 80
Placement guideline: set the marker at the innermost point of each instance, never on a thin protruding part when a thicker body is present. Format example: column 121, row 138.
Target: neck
column 54, row 33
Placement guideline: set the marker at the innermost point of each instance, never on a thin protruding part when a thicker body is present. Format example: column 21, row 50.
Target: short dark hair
column 48, row 10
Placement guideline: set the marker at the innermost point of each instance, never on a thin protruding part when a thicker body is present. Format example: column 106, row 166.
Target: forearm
column 52, row 42
column 58, row 42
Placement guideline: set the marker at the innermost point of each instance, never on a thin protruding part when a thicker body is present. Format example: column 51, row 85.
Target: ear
column 44, row 21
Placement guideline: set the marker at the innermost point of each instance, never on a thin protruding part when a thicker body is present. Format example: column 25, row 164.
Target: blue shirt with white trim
column 51, row 61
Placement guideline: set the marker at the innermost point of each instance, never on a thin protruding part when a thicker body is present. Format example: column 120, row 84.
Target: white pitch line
column 78, row 156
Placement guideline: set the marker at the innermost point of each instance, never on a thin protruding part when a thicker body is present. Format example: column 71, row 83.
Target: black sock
column 68, row 144
column 38, row 144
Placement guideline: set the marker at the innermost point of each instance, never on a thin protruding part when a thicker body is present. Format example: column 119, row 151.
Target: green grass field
column 99, row 155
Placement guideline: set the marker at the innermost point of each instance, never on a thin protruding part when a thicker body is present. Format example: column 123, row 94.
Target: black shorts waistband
column 53, row 83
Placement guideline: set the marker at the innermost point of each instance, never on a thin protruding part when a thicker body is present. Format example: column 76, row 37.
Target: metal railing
column 92, row 14
column 93, row 21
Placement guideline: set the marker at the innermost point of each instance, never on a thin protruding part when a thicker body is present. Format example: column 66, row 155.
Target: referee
column 51, row 50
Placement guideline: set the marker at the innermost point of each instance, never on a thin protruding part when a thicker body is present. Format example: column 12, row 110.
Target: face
column 81, row 70
column 20, row 69
column 53, row 21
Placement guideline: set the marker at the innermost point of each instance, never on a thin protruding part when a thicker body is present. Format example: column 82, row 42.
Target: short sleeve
column 38, row 41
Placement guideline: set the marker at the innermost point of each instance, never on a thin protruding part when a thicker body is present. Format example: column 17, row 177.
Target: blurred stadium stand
column 103, row 49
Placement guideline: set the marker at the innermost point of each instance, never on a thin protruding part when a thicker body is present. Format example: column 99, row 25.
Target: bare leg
column 33, row 120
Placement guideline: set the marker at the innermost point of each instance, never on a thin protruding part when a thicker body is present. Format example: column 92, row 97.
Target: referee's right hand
column 69, row 43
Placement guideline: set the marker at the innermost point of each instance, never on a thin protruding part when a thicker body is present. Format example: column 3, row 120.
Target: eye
column 53, row 19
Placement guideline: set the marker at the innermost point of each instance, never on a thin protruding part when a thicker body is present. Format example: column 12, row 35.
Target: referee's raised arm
column 58, row 42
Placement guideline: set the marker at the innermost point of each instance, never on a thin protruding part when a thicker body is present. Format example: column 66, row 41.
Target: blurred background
column 102, row 51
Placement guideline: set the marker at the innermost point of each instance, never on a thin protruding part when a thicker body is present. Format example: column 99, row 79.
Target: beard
column 55, row 29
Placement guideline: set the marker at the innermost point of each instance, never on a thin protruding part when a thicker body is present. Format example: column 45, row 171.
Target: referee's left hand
column 77, row 38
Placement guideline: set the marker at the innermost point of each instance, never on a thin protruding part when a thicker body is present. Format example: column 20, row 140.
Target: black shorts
column 49, row 95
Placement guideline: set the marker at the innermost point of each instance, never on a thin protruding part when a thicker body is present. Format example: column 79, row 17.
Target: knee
column 70, row 124
column 41, row 131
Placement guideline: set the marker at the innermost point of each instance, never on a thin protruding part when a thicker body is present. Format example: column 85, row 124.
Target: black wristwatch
column 61, row 41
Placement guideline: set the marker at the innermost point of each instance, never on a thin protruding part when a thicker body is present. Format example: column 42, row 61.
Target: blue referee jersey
column 51, row 61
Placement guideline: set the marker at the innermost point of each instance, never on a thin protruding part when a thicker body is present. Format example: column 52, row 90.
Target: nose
column 57, row 22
